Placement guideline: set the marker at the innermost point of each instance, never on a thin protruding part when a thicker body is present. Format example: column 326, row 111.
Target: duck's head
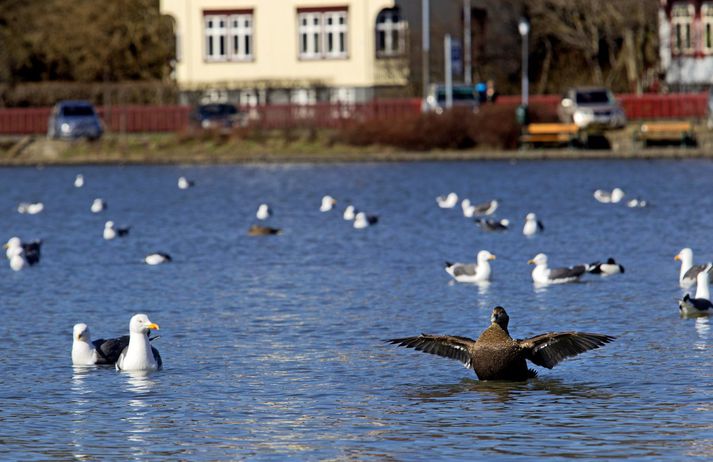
column 500, row 317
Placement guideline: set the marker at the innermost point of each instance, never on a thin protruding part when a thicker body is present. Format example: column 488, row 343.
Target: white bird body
column 263, row 212
column 14, row 246
column 98, row 205
column 349, row 213
column 617, row 195
column 447, row 202
column 30, row 208
column 469, row 272
column 109, row 231
column 542, row 274
column 702, row 288
column 362, row 220
column 636, row 203
column 157, row 258
column 17, row 261
column 138, row 356
column 184, row 183
column 328, row 202
column 532, row 225
column 79, row 181
column 83, row 352
column 468, row 208
column 613, row 197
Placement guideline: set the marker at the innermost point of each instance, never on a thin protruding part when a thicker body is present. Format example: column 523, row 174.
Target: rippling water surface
column 272, row 346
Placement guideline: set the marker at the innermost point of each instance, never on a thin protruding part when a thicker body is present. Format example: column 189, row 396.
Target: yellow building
column 279, row 51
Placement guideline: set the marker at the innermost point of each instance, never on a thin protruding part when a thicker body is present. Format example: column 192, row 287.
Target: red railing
column 131, row 119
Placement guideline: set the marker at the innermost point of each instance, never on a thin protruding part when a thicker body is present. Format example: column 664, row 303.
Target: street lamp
column 523, row 26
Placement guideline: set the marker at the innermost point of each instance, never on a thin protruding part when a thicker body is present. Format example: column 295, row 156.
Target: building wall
column 276, row 62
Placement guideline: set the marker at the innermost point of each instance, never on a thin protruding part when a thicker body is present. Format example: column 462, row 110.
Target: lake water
column 273, row 347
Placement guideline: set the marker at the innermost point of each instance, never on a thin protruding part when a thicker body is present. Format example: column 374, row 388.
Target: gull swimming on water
column 263, row 212
column 362, row 220
column 185, row 183
column 447, row 202
column 613, row 197
column 98, row 205
column 138, row 354
column 472, row 272
column 86, row 352
column 328, row 202
column 157, row 258
column 542, row 274
column 110, row 231
column 30, row 208
column 79, row 181
column 701, row 304
column 532, row 225
column 689, row 271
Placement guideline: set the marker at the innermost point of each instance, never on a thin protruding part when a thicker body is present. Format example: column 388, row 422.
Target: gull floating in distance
column 447, row 202
column 30, row 250
column 349, row 212
column 532, row 225
column 111, row 231
column 263, row 212
column 30, row 208
column 362, row 220
column 98, row 205
column 157, row 258
column 487, row 208
column 493, row 225
column 613, row 197
column 495, row 355
column 328, row 203
column 542, row 274
column 86, row 352
column 185, row 183
column 472, row 272
column 468, row 208
column 79, row 181
column 139, row 355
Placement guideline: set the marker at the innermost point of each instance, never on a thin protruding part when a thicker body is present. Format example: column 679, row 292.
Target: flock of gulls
column 494, row 355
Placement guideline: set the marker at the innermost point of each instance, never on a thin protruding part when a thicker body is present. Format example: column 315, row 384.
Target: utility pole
column 468, row 65
column 448, row 70
column 425, row 47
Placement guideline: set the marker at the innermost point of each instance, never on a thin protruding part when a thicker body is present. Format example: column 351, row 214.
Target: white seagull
column 542, row 274
column 472, row 272
column 185, row 183
column 139, row 355
column 157, row 258
column 689, row 271
column 328, row 202
column 263, row 212
column 447, row 202
column 532, row 225
column 79, row 181
column 98, row 205
column 701, row 304
column 362, row 220
column 30, row 208
column 349, row 213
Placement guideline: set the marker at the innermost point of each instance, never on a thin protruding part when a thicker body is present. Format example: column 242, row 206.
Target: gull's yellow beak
column 677, row 257
column 153, row 326
column 531, row 262
column 491, row 257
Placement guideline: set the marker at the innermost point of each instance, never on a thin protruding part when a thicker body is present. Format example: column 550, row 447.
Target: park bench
column 676, row 132
column 550, row 134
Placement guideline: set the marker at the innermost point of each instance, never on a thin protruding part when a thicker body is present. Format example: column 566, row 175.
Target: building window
column 707, row 17
column 390, row 33
column 322, row 34
column 228, row 36
column 682, row 24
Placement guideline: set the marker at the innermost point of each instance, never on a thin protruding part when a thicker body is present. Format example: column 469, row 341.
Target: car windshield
column 459, row 94
column 77, row 111
column 593, row 97
column 215, row 110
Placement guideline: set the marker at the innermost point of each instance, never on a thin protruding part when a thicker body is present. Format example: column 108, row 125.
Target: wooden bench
column 550, row 134
column 681, row 133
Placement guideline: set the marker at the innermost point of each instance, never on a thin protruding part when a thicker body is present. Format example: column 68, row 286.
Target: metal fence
column 132, row 119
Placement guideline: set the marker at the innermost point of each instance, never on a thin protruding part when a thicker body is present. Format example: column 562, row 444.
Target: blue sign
column 456, row 58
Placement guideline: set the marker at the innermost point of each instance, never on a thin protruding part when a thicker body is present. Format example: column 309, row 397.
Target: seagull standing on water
column 497, row 356
column 532, row 225
column 138, row 354
column 472, row 272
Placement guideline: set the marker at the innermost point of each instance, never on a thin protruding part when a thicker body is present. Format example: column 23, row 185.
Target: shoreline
column 167, row 149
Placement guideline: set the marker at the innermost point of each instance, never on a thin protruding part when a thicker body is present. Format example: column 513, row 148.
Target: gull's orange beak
column 153, row 326
column 677, row 257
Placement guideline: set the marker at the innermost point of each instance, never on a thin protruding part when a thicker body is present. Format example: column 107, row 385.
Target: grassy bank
column 291, row 146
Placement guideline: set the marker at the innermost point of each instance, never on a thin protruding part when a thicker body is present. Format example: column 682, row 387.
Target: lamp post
column 523, row 26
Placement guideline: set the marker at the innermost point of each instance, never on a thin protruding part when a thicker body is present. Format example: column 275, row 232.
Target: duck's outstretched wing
column 548, row 350
column 448, row 346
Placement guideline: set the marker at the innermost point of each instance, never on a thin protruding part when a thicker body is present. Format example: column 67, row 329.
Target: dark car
column 218, row 116
column 464, row 96
column 74, row 119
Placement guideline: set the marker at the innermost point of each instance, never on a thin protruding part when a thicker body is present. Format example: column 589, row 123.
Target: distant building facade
column 288, row 51
column 686, row 43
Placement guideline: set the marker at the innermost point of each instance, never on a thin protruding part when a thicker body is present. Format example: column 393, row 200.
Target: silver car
column 591, row 107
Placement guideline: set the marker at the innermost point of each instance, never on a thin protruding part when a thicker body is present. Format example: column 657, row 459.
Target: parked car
column 464, row 96
column 218, row 116
column 71, row 119
column 591, row 107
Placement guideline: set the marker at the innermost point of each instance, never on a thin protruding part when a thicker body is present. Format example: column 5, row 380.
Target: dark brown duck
column 258, row 230
column 497, row 356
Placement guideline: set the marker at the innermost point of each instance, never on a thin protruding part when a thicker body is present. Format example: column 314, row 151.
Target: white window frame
column 682, row 16
column 392, row 25
column 707, row 27
column 317, row 30
column 236, row 34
